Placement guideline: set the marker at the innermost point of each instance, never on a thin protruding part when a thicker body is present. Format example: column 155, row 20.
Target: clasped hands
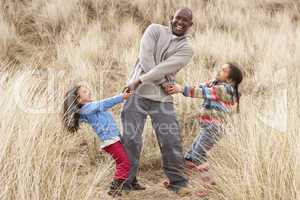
column 169, row 88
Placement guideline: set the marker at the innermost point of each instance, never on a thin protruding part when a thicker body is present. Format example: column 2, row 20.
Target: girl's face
column 223, row 73
column 84, row 95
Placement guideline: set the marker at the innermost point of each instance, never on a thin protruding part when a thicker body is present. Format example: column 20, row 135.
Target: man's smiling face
column 182, row 21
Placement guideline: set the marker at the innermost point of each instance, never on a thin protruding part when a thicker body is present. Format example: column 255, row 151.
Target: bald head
column 182, row 21
column 186, row 11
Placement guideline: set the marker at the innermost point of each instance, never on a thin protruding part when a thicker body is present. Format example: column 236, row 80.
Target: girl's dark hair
column 236, row 76
column 71, row 110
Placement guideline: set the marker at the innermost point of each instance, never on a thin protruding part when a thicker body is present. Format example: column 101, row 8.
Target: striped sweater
column 219, row 98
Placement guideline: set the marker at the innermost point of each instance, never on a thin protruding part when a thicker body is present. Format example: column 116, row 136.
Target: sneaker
column 116, row 188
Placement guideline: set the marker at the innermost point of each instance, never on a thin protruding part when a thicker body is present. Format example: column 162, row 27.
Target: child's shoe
column 203, row 167
column 190, row 164
column 116, row 188
column 191, row 167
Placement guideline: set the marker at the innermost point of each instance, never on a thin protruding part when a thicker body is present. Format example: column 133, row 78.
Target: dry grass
column 46, row 46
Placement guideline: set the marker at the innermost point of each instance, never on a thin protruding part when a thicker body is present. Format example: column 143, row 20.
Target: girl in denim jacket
column 79, row 108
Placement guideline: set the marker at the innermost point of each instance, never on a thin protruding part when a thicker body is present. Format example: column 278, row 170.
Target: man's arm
column 147, row 45
column 169, row 66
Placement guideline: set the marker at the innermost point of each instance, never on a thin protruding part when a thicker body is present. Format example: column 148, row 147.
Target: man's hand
column 173, row 89
column 166, row 86
column 134, row 84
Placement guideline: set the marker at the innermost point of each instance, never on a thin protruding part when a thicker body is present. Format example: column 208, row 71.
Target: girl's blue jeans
column 209, row 134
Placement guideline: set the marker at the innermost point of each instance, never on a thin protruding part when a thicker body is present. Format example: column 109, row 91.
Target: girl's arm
column 110, row 102
column 192, row 91
column 216, row 93
column 103, row 105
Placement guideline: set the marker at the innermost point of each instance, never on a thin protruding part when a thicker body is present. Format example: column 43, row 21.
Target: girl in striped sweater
column 219, row 95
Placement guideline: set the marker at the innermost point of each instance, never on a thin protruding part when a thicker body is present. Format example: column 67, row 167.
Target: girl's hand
column 127, row 93
column 174, row 88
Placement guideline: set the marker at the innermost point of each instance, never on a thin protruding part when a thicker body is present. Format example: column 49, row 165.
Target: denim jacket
column 95, row 113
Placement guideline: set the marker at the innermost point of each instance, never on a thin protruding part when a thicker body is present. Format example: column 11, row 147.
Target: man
column 163, row 52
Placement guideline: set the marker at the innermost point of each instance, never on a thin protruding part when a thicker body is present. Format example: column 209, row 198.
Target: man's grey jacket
column 161, row 55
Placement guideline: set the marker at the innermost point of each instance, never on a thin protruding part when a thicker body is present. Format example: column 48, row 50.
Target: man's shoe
column 181, row 191
column 137, row 187
column 133, row 187
column 126, row 188
column 184, row 191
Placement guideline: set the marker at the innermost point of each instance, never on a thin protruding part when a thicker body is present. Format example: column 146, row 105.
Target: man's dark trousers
column 164, row 121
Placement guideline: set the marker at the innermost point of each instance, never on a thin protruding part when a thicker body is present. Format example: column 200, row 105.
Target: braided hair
column 236, row 76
